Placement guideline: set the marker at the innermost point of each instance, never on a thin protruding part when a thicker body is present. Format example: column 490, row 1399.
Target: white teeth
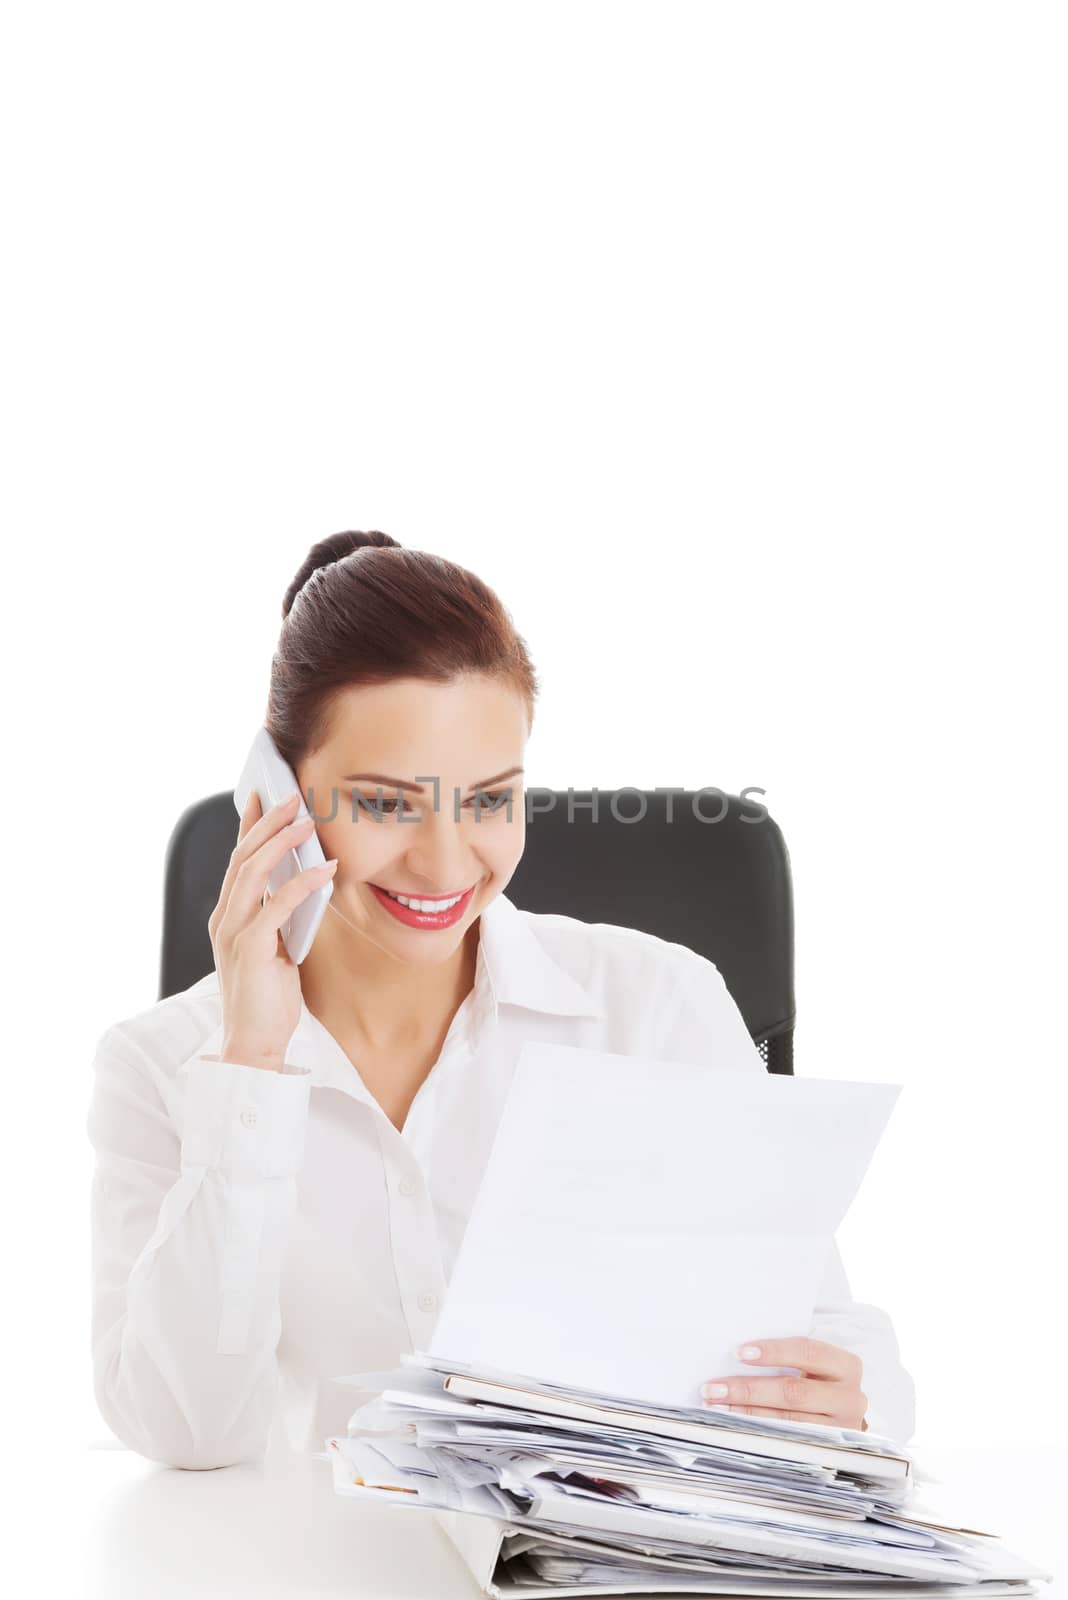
column 425, row 905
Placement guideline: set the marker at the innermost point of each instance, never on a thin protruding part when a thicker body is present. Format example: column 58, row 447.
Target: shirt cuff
column 879, row 1426
column 245, row 1121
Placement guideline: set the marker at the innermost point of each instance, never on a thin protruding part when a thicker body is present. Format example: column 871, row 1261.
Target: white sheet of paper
column 639, row 1219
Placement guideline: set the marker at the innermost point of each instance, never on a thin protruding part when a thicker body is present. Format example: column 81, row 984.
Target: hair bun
column 334, row 548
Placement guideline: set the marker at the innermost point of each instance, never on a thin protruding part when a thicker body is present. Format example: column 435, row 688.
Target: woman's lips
column 417, row 894
column 423, row 919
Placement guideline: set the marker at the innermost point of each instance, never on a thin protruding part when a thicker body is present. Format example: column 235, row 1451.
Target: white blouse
column 257, row 1234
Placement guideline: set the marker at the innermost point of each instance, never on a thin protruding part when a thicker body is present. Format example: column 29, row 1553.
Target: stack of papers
column 546, row 1490
column 636, row 1222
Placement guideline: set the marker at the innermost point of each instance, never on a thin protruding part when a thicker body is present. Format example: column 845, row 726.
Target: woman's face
column 447, row 739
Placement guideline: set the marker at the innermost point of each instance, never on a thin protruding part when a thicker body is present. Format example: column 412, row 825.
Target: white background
column 727, row 343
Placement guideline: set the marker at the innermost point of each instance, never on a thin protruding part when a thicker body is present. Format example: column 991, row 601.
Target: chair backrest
column 699, row 868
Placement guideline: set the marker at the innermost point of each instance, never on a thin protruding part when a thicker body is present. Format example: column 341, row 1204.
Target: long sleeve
column 193, row 1190
column 869, row 1333
column 703, row 1023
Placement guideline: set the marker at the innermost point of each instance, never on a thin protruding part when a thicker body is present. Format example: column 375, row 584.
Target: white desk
column 279, row 1529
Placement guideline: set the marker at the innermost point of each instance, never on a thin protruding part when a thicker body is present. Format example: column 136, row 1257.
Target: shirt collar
column 522, row 972
column 513, row 969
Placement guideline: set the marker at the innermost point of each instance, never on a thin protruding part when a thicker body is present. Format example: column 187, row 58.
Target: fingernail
column 749, row 1352
column 714, row 1391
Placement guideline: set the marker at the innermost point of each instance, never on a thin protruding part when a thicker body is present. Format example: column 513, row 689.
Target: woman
column 286, row 1157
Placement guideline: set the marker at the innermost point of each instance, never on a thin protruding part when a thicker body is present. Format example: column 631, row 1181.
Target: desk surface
column 280, row 1530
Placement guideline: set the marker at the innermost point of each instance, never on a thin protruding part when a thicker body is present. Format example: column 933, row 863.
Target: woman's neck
column 359, row 992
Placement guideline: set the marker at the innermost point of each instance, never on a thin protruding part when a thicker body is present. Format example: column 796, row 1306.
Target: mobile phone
column 273, row 780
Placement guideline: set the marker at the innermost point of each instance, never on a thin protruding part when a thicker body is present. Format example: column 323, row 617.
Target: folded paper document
column 639, row 1219
column 636, row 1221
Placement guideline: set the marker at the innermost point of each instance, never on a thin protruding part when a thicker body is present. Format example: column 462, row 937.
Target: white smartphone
column 273, row 779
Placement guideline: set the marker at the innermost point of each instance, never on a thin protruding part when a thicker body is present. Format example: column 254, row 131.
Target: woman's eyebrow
column 398, row 783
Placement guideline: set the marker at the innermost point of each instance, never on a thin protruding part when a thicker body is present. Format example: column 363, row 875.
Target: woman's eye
column 384, row 804
column 492, row 800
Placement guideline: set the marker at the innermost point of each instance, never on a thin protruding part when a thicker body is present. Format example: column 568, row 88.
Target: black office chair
column 715, row 877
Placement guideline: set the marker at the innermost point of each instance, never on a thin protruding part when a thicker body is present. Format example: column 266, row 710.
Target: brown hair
column 363, row 610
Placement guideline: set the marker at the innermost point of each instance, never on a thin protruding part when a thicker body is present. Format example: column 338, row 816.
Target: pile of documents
column 549, row 1490
column 636, row 1222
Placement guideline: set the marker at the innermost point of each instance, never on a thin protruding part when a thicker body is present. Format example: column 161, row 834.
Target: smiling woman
column 372, row 967
column 412, row 665
column 280, row 1202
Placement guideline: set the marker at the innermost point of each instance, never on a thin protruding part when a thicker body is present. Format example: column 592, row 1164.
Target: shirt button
column 248, row 1116
column 406, row 1186
column 427, row 1302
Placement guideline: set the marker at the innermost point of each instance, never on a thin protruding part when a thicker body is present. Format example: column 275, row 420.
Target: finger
column 814, row 1356
column 284, row 903
column 254, row 828
column 258, row 825
column 249, row 883
column 252, row 813
column 770, row 1411
column 787, row 1394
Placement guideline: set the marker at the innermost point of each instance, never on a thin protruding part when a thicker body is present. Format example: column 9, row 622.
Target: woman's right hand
column 259, row 980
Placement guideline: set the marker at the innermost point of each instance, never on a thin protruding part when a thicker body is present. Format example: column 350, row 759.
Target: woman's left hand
column 827, row 1391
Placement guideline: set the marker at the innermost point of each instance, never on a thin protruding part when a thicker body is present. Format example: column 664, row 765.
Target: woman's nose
column 441, row 859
